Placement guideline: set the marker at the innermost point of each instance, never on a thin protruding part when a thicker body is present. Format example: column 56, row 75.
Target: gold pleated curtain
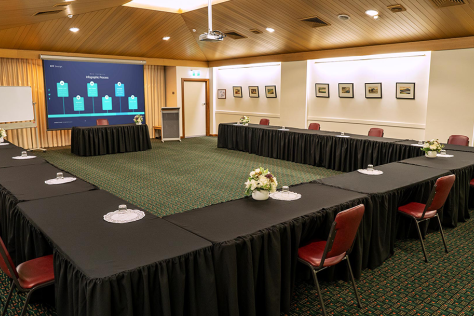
column 29, row 72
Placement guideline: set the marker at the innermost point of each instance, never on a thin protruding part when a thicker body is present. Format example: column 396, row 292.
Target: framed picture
column 221, row 93
column 405, row 90
column 322, row 90
column 271, row 91
column 237, row 92
column 373, row 90
column 346, row 90
column 253, row 92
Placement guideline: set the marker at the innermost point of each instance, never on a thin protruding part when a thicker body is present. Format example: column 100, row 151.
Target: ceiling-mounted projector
column 211, row 36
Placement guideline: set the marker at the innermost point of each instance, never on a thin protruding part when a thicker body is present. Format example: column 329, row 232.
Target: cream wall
column 293, row 109
column 231, row 109
column 399, row 118
column 450, row 99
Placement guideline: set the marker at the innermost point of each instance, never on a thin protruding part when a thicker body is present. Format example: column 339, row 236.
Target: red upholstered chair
column 458, row 140
column 321, row 254
column 376, row 132
column 423, row 212
column 102, row 122
column 28, row 276
column 264, row 122
column 314, row 126
column 472, row 183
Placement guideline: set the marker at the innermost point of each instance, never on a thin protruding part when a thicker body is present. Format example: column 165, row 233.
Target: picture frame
column 405, row 90
column 373, row 90
column 253, row 92
column 346, row 90
column 221, row 93
column 322, row 90
column 271, row 92
column 237, row 90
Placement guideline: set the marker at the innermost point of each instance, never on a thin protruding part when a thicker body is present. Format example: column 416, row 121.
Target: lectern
column 170, row 124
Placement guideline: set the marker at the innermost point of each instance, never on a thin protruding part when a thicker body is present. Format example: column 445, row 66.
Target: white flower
column 247, row 184
column 252, row 174
column 426, row 145
column 433, row 147
column 253, row 185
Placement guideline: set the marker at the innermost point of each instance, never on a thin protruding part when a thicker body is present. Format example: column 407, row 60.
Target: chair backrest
column 343, row 232
column 264, row 122
column 102, row 122
column 441, row 191
column 6, row 262
column 458, row 140
column 314, row 126
column 376, row 132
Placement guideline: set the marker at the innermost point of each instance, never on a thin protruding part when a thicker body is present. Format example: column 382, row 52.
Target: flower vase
column 431, row 154
column 1, row 140
column 246, row 124
column 139, row 123
column 260, row 195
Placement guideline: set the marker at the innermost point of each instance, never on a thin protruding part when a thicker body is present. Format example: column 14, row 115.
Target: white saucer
column 60, row 181
column 445, row 156
column 122, row 218
column 290, row 196
column 344, row 136
column 27, row 157
column 371, row 173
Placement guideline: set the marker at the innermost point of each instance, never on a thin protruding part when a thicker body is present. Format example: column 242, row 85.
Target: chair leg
column 353, row 282
column 442, row 234
column 25, row 307
column 8, row 299
column 421, row 240
column 315, row 278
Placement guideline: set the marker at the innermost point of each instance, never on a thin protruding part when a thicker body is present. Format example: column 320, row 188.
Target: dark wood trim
column 208, row 109
column 213, row 135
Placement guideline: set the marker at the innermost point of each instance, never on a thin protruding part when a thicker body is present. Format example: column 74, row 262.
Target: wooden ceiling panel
column 107, row 28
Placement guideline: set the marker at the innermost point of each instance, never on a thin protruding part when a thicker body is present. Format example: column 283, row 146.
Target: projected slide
column 79, row 93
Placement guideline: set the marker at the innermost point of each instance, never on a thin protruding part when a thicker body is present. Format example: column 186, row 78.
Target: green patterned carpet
column 175, row 177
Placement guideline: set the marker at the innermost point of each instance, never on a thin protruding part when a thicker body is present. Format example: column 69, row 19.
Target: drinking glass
column 24, row 154
column 420, row 142
column 283, row 127
column 342, row 133
column 59, row 175
column 443, row 152
column 285, row 189
column 370, row 168
column 122, row 209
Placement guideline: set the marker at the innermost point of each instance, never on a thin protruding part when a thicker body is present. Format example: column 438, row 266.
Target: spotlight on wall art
column 346, row 90
column 373, row 90
column 221, row 93
column 271, row 92
column 253, row 92
column 237, row 91
column 322, row 90
column 405, row 90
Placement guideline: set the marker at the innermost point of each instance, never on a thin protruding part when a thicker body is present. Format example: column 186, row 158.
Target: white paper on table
column 117, row 217
column 60, row 181
column 445, row 156
column 290, row 196
column 345, row 136
column 21, row 157
column 417, row 145
column 4, row 144
column 371, row 173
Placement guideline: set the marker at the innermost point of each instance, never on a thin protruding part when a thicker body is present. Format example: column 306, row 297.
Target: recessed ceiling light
column 376, row 17
column 269, row 29
column 176, row 6
column 70, row 16
column 74, row 29
column 166, row 38
column 372, row 12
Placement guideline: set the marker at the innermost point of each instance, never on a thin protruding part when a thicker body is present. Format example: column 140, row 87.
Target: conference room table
column 147, row 267
column 27, row 183
column 6, row 158
column 255, row 244
column 109, row 139
column 325, row 149
column 462, row 166
column 7, row 145
column 398, row 185
column 448, row 147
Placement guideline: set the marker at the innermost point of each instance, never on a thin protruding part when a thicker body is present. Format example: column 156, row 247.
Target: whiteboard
column 16, row 104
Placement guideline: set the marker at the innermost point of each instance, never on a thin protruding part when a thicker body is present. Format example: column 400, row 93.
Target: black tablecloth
column 462, row 165
column 112, row 139
column 7, row 145
column 148, row 267
column 400, row 184
column 6, row 159
column 26, row 183
column 317, row 148
column 256, row 243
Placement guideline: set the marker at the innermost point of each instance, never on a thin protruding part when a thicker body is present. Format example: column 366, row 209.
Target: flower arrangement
column 432, row 145
column 244, row 120
column 138, row 119
column 260, row 180
column 3, row 133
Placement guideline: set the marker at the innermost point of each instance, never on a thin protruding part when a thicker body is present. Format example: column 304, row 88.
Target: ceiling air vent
column 396, row 8
column 62, row 4
column 234, row 35
column 255, row 31
column 448, row 3
column 314, row 22
column 47, row 12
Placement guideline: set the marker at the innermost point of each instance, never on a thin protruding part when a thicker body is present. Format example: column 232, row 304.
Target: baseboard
column 214, row 135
